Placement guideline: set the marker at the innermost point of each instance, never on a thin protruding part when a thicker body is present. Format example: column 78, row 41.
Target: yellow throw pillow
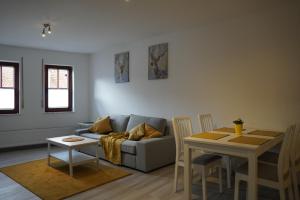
column 101, row 126
column 151, row 132
column 137, row 132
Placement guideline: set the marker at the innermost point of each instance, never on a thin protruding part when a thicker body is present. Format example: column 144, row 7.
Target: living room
column 173, row 68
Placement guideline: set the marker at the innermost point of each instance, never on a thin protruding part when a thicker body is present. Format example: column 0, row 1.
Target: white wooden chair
column 206, row 124
column 295, row 160
column 182, row 127
column 298, row 153
column 274, row 176
column 272, row 158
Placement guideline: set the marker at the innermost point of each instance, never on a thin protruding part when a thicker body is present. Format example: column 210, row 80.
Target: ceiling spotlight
column 43, row 33
column 46, row 27
column 49, row 30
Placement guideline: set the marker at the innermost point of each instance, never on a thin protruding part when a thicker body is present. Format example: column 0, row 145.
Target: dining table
column 224, row 141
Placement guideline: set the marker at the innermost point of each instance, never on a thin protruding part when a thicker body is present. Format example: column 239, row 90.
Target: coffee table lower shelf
column 78, row 158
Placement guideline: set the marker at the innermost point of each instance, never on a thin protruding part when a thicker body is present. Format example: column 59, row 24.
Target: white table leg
column 49, row 150
column 97, row 155
column 187, row 173
column 252, row 177
column 70, row 162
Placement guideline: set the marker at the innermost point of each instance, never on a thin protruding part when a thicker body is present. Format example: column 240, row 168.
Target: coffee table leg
column 97, row 155
column 49, row 149
column 70, row 162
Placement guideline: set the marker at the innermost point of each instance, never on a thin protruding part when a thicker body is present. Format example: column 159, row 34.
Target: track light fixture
column 46, row 27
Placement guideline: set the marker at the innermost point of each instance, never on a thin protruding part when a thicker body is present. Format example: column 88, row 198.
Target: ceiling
column 88, row 26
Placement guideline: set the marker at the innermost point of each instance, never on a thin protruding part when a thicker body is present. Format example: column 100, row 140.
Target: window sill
column 63, row 112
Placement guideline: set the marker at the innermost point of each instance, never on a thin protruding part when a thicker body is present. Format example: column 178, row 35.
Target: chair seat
column 269, row 157
column 264, row 171
column 206, row 159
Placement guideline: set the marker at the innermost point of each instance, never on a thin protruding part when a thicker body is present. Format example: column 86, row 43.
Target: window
column 9, row 88
column 58, row 88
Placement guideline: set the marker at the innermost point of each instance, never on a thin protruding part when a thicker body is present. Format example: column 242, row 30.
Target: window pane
column 58, row 98
column 52, row 78
column 63, row 78
column 7, row 99
column 8, row 76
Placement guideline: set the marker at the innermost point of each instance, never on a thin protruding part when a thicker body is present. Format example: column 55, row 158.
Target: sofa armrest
column 81, row 131
column 155, row 153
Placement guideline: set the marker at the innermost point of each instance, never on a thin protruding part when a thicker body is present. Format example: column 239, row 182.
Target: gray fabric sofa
column 144, row 155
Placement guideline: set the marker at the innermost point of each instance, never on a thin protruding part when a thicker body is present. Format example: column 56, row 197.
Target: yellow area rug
column 52, row 183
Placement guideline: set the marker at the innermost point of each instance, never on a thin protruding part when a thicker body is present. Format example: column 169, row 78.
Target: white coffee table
column 71, row 156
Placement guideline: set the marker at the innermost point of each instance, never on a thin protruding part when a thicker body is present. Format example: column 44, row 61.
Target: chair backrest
column 182, row 127
column 284, row 155
column 206, row 122
column 295, row 143
column 296, row 148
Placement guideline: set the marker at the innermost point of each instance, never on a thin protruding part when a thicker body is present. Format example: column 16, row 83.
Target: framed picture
column 122, row 67
column 158, row 62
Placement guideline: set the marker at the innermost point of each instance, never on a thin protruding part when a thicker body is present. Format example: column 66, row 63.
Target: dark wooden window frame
column 70, row 88
column 16, row 87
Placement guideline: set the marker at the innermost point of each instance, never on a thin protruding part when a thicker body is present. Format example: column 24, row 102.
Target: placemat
column 226, row 129
column 212, row 136
column 73, row 139
column 265, row 133
column 249, row 140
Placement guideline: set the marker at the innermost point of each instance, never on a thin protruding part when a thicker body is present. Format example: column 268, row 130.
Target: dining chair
column 274, row 176
column 272, row 158
column 295, row 160
column 182, row 127
column 207, row 124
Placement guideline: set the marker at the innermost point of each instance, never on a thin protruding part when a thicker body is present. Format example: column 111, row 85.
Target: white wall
column 33, row 125
column 244, row 67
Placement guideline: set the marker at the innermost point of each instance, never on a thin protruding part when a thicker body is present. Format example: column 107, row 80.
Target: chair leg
column 204, row 192
column 220, row 179
column 176, row 178
column 282, row 193
column 295, row 183
column 290, row 191
column 236, row 188
column 228, row 170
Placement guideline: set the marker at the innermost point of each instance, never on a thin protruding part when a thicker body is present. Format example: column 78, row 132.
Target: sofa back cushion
column 157, row 123
column 119, row 122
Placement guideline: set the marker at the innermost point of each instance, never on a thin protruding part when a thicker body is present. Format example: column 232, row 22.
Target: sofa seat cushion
column 157, row 123
column 127, row 146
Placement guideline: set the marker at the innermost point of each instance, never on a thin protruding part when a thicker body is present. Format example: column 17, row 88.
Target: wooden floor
column 151, row 186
